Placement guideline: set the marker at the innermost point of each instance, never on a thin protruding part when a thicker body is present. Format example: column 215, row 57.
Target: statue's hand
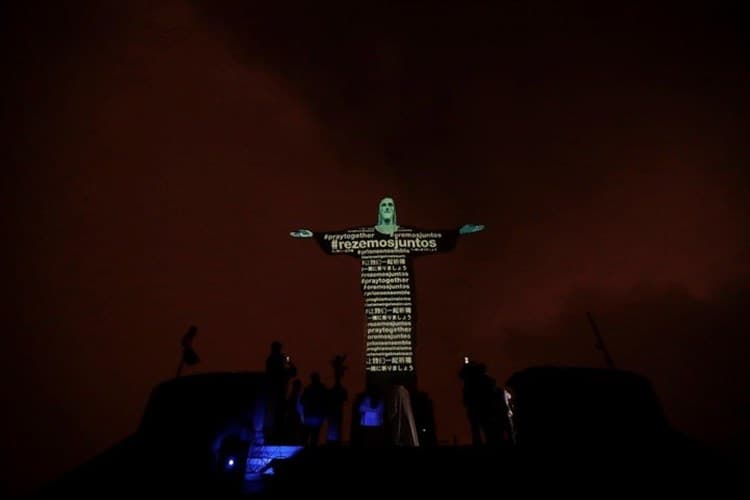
column 470, row 228
column 302, row 233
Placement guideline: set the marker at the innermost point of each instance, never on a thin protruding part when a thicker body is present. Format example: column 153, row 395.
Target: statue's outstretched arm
column 470, row 228
column 330, row 241
column 301, row 233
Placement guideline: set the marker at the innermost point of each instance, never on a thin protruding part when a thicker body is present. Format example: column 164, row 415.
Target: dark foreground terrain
column 576, row 431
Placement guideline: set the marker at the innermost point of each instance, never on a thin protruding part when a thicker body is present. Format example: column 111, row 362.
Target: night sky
column 159, row 155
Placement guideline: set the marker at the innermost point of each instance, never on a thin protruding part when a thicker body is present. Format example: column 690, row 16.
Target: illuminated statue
column 385, row 251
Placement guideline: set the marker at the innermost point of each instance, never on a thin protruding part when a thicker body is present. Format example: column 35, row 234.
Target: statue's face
column 387, row 207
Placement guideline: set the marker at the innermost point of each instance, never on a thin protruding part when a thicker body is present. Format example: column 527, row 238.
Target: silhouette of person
column 371, row 422
column 336, row 399
column 279, row 370
column 189, row 356
column 294, row 414
column 481, row 402
column 314, row 404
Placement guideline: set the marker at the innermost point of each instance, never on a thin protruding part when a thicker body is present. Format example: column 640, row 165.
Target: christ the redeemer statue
column 385, row 251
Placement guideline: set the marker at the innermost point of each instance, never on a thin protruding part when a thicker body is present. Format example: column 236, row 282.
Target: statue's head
column 387, row 211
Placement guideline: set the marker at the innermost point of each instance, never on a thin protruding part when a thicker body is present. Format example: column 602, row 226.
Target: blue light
column 230, row 462
column 262, row 456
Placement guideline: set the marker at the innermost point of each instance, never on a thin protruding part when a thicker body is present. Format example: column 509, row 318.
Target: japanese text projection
column 385, row 252
column 388, row 287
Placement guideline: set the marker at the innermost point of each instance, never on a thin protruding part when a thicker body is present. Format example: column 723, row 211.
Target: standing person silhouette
column 338, row 395
column 314, row 404
column 481, row 399
column 279, row 371
column 293, row 430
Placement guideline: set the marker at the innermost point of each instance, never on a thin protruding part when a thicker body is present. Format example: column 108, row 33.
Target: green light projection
column 385, row 252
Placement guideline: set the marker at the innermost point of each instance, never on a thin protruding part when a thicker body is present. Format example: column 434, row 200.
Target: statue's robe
column 387, row 284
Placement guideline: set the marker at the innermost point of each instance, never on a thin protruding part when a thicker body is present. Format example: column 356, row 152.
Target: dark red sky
column 161, row 154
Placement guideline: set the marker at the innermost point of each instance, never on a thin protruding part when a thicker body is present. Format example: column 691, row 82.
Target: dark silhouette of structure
column 575, row 430
column 193, row 439
column 554, row 408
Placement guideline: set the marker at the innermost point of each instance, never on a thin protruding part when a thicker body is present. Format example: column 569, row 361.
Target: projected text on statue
column 386, row 251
